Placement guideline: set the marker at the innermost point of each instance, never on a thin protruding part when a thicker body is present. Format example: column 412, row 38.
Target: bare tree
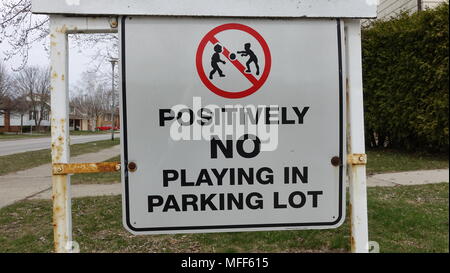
column 103, row 47
column 21, row 29
column 21, row 106
column 92, row 97
column 5, row 90
column 33, row 83
column 4, row 84
column 11, row 103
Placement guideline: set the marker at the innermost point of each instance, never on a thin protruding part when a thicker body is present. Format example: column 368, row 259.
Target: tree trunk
column 21, row 124
column 38, row 124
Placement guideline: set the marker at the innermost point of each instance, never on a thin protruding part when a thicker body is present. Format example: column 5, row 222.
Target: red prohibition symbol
column 256, row 83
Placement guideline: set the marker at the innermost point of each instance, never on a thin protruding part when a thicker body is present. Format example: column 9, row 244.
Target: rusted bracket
column 357, row 159
column 72, row 168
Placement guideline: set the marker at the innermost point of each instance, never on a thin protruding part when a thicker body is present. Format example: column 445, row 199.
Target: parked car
column 106, row 128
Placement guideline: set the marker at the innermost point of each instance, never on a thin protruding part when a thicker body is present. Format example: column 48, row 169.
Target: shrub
column 405, row 68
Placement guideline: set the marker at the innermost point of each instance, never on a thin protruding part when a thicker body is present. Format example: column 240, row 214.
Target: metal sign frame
column 224, row 8
column 61, row 26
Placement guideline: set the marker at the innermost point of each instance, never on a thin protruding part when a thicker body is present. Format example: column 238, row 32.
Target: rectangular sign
column 238, row 8
column 232, row 124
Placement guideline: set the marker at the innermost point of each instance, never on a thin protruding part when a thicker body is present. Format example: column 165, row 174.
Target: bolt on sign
column 232, row 124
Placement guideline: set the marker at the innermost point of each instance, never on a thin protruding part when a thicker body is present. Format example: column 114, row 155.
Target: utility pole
column 113, row 62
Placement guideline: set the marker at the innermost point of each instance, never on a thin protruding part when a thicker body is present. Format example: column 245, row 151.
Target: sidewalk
column 378, row 180
column 408, row 178
column 32, row 182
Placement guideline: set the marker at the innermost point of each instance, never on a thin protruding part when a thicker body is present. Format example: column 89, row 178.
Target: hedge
column 406, row 84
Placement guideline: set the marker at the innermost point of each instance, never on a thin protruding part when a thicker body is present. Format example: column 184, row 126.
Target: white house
column 12, row 121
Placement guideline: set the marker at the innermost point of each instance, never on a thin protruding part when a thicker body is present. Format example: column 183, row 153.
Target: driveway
column 8, row 147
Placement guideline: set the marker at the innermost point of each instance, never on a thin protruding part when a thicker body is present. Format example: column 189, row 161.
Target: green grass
column 401, row 219
column 97, row 178
column 384, row 161
column 92, row 147
column 23, row 161
column 410, row 218
column 4, row 136
column 12, row 136
column 84, row 133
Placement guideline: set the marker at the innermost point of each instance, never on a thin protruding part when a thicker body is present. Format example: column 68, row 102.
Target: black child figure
column 215, row 59
column 252, row 59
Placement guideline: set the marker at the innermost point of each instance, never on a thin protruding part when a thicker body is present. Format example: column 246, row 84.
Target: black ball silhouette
column 232, row 56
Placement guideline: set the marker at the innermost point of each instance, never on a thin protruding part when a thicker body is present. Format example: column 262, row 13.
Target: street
column 8, row 147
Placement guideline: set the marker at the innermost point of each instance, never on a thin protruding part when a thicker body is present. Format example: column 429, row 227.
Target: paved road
column 8, row 147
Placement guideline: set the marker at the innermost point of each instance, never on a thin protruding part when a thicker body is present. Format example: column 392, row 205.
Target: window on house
column 32, row 115
column 45, row 115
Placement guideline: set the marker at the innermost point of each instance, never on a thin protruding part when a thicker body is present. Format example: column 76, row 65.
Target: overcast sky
column 78, row 61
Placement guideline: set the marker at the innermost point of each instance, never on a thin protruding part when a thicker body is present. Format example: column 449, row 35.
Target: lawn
column 401, row 219
column 84, row 133
column 97, row 178
column 4, row 136
column 26, row 160
column 384, row 161
column 11, row 136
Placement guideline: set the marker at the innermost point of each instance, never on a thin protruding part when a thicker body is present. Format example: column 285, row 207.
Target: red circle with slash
column 256, row 83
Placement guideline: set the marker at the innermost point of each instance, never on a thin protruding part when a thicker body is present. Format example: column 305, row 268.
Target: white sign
column 232, row 124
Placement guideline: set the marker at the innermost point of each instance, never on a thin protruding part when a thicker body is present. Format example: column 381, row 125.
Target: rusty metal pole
column 62, row 214
column 355, row 133
column 60, row 27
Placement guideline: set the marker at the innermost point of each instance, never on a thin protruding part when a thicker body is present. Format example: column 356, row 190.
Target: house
column 13, row 121
column 104, row 121
column 391, row 8
column 80, row 121
column 24, row 120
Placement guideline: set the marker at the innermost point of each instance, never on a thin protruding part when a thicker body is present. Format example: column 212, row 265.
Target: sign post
column 258, row 121
column 355, row 141
column 62, row 220
column 60, row 27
